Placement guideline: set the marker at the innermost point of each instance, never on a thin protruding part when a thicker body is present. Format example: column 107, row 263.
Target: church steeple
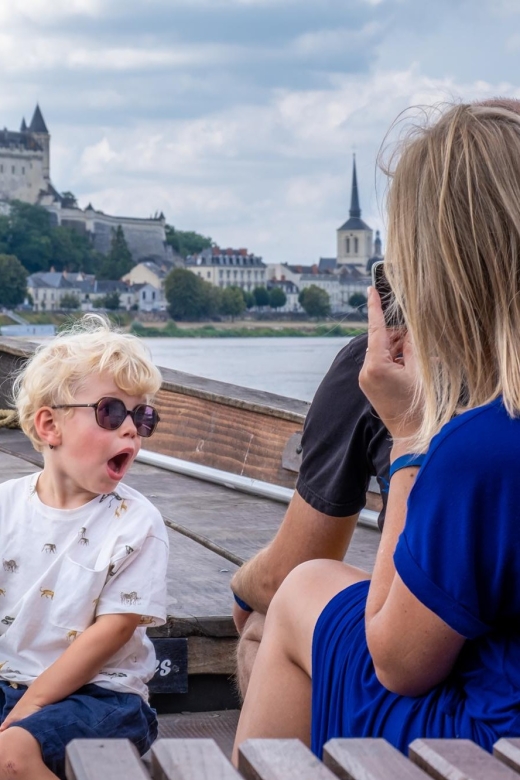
column 355, row 210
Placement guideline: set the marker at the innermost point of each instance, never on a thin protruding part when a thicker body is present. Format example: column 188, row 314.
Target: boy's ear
column 47, row 427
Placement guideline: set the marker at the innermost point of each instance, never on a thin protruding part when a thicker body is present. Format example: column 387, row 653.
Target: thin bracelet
column 242, row 604
column 406, row 461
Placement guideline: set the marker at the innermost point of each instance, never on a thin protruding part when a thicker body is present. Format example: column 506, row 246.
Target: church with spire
column 355, row 242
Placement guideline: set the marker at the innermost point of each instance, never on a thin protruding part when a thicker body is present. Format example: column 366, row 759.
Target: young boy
column 83, row 557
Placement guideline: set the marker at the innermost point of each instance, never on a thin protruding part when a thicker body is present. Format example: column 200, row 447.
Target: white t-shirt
column 61, row 568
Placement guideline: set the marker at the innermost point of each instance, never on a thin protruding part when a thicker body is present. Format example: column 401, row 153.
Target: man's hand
column 22, row 709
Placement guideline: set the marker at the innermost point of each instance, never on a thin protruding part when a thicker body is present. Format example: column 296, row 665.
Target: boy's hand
column 22, row 709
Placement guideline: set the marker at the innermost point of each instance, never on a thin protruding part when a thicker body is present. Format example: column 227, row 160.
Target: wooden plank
column 280, row 759
column 190, row 759
column 211, row 656
column 368, row 759
column 92, row 759
column 508, row 751
column 198, row 595
column 458, row 759
column 238, row 440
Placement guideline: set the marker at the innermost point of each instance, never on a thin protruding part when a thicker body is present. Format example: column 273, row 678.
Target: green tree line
column 191, row 298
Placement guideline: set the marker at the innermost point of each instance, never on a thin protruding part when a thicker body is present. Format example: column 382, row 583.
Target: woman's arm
column 77, row 665
column 411, row 647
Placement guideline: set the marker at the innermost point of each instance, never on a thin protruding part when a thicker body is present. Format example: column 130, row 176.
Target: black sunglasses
column 111, row 414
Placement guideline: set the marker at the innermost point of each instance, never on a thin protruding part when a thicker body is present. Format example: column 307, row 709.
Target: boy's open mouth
column 118, row 462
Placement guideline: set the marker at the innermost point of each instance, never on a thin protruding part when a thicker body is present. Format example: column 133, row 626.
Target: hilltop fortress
column 25, row 174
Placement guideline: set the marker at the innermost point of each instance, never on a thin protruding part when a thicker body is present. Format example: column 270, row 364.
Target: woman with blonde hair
column 429, row 645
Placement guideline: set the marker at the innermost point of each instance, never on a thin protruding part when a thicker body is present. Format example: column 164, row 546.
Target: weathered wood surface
column 92, row 759
column 368, row 759
column 508, row 751
column 190, row 759
column 280, row 759
column 458, row 759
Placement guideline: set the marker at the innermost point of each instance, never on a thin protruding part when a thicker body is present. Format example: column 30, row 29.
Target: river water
column 292, row 367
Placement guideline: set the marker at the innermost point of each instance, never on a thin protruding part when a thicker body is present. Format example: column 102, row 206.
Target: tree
column 69, row 301
column 14, row 281
column 189, row 297
column 232, row 303
column 186, row 242
column 28, row 233
column 315, row 301
column 119, row 260
column 111, row 301
column 277, row 298
column 248, row 298
column 261, row 296
column 357, row 300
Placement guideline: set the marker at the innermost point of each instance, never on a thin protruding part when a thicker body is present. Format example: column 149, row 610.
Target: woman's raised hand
column 389, row 374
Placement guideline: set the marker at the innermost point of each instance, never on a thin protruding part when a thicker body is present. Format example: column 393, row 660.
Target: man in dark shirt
column 344, row 444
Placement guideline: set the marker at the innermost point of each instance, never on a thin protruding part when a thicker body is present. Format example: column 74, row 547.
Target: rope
column 9, row 418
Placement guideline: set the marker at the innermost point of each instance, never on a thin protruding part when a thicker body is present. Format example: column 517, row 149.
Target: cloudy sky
column 238, row 118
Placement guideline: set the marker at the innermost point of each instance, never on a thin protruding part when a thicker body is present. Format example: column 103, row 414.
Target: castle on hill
column 25, row 174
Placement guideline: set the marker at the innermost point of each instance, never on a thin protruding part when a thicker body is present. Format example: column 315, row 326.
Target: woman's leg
column 278, row 699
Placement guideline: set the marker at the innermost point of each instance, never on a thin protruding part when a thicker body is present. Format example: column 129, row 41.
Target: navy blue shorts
column 90, row 712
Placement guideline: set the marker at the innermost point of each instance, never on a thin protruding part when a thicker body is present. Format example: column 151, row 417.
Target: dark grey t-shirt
column 344, row 441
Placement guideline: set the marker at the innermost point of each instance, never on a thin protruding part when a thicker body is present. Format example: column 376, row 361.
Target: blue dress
column 459, row 554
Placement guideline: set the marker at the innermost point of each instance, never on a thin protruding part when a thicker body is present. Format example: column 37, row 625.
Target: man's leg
column 247, row 649
column 278, row 701
column 21, row 757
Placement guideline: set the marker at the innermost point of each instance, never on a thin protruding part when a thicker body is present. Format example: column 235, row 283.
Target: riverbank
column 244, row 328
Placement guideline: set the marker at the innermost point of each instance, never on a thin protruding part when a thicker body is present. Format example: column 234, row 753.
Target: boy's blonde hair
column 89, row 346
column 453, row 256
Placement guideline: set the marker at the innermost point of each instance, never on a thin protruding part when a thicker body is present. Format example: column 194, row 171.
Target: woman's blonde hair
column 453, row 257
column 89, row 346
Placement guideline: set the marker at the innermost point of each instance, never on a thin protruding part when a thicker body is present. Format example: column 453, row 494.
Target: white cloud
column 44, row 12
column 275, row 177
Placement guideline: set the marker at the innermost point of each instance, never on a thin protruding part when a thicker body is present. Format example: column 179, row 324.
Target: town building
column 25, row 174
column 49, row 289
column 228, row 268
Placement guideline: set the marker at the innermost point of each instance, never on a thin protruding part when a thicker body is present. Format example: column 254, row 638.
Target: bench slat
column 369, row 759
column 508, row 751
column 458, row 759
column 190, row 759
column 280, row 759
column 91, row 759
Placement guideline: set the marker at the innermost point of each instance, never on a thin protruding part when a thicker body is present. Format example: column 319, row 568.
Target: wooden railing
column 289, row 759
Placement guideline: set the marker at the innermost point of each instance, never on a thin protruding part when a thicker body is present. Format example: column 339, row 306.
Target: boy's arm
column 77, row 666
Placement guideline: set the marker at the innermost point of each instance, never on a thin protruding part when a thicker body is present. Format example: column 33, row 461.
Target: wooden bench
column 289, row 759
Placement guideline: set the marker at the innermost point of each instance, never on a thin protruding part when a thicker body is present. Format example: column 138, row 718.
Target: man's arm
column 77, row 665
column 304, row 534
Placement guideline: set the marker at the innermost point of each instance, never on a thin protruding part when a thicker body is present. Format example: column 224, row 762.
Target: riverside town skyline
column 238, row 118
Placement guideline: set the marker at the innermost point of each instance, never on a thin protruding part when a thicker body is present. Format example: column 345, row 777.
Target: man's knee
column 247, row 649
column 20, row 753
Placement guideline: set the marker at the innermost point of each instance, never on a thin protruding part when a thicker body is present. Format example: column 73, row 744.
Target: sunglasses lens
column 110, row 413
column 145, row 420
